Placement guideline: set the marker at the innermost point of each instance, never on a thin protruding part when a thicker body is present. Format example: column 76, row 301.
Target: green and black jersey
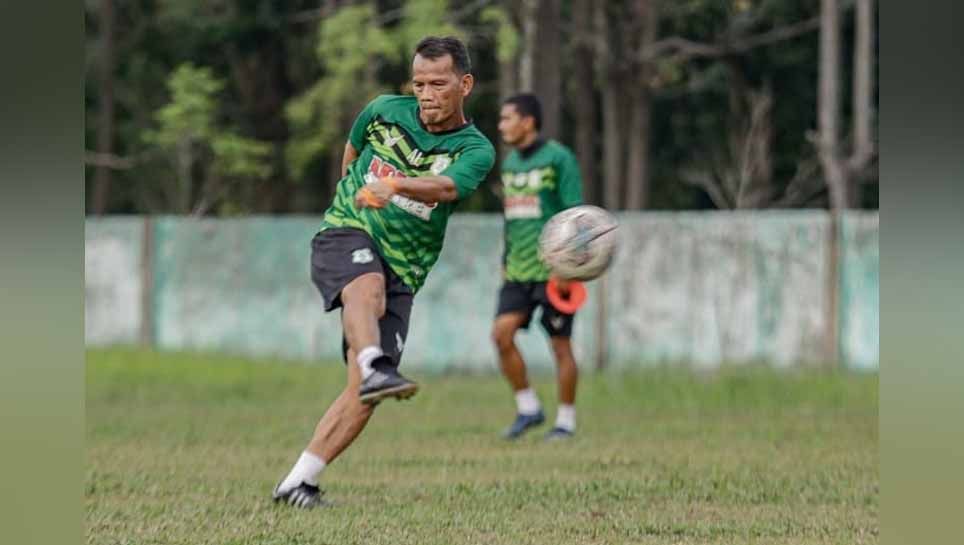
column 391, row 141
column 537, row 183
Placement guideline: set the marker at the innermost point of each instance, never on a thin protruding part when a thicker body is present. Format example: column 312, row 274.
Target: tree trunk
column 547, row 84
column 828, row 105
column 613, row 155
column 508, row 73
column 185, row 175
column 613, row 110
column 637, row 153
column 529, row 10
column 755, row 162
column 863, row 93
column 105, row 123
column 583, row 98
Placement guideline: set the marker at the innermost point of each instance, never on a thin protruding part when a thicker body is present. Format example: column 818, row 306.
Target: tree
column 738, row 171
column 187, row 132
column 721, row 93
column 840, row 170
column 583, row 101
column 547, row 69
column 322, row 114
column 105, row 121
column 625, row 31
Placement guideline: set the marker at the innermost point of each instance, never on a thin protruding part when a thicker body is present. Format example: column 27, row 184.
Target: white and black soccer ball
column 579, row 243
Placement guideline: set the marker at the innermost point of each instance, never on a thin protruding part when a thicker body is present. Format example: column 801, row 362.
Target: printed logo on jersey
column 440, row 164
column 380, row 169
column 392, row 142
column 522, row 192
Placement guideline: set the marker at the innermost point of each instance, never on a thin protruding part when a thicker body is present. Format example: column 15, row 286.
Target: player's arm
column 427, row 189
column 357, row 135
column 570, row 181
column 350, row 155
column 456, row 182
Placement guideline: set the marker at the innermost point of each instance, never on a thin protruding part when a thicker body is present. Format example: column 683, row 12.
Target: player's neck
column 528, row 144
column 456, row 121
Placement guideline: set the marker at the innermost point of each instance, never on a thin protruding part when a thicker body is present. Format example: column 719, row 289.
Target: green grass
column 185, row 449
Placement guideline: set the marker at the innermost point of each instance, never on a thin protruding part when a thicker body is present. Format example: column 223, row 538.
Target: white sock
column 306, row 470
column 527, row 402
column 566, row 417
column 365, row 358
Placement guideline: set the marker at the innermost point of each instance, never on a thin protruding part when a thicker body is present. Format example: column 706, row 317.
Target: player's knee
column 562, row 349
column 366, row 292
column 502, row 337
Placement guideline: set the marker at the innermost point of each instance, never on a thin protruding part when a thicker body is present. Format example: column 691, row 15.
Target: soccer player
column 539, row 178
column 407, row 163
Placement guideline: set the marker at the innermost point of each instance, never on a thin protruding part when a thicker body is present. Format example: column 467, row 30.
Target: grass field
column 185, row 449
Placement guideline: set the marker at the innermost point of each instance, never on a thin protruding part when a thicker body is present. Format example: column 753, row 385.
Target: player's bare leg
column 363, row 301
column 344, row 420
column 510, row 360
column 568, row 377
column 568, row 372
column 513, row 367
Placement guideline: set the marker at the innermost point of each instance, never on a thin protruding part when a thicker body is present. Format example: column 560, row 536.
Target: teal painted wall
column 694, row 288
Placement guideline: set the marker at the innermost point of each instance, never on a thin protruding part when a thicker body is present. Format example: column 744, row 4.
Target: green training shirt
column 391, row 141
column 537, row 183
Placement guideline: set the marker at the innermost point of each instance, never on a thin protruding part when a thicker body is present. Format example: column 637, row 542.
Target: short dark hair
column 433, row 47
column 527, row 104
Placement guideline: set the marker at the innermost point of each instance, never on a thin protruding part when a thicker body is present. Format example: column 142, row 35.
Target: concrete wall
column 694, row 288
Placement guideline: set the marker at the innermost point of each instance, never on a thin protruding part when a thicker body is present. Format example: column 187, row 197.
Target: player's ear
column 467, row 83
column 530, row 123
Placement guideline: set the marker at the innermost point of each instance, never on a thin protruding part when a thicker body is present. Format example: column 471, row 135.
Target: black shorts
column 340, row 255
column 524, row 297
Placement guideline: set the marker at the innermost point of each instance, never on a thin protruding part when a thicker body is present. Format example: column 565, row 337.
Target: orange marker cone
column 569, row 304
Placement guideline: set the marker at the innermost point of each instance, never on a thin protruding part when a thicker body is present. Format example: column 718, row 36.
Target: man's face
column 439, row 89
column 513, row 127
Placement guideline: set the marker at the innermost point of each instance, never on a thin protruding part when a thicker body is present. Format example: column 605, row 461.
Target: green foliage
column 506, row 35
column 353, row 44
column 190, row 113
column 424, row 18
column 265, row 68
column 236, row 156
column 350, row 42
column 187, row 126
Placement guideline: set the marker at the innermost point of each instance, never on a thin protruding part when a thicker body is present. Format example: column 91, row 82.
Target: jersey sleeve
column 358, row 128
column 570, row 181
column 470, row 168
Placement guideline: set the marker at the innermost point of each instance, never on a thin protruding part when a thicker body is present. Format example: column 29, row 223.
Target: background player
column 539, row 178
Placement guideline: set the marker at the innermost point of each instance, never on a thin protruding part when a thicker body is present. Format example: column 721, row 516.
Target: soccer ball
column 579, row 243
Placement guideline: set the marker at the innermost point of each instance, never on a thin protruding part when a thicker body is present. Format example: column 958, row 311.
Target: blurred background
column 735, row 139
column 232, row 107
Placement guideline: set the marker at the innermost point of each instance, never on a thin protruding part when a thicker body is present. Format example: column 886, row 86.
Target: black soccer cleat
column 522, row 423
column 304, row 496
column 557, row 434
column 383, row 383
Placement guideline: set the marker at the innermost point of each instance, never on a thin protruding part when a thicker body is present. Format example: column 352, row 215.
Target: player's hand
column 566, row 296
column 563, row 287
column 376, row 194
